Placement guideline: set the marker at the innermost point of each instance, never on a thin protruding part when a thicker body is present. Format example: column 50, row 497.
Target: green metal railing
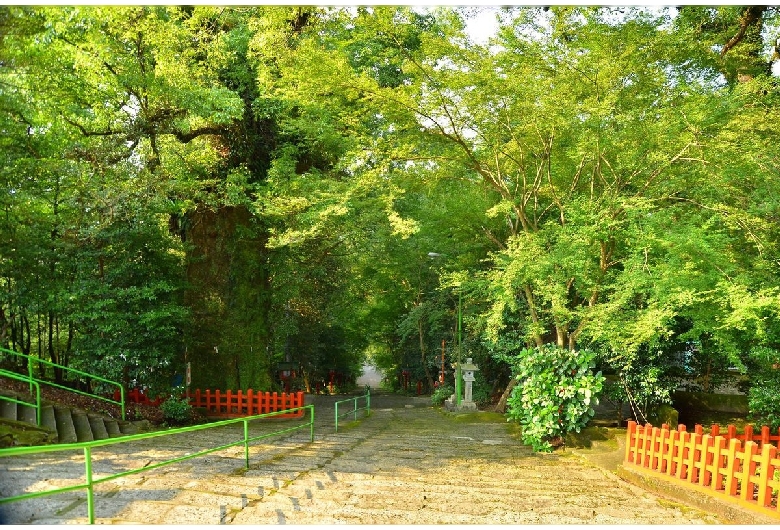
column 36, row 405
column 31, row 378
column 87, row 447
column 355, row 408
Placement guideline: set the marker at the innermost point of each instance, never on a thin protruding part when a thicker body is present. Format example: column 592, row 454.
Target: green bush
column 555, row 390
column 480, row 392
column 176, row 411
column 441, row 394
column 764, row 388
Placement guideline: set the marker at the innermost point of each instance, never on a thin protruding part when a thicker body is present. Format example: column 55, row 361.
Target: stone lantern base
column 450, row 405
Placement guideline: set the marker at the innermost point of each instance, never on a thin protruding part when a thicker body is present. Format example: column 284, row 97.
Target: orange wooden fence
column 231, row 404
column 740, row 467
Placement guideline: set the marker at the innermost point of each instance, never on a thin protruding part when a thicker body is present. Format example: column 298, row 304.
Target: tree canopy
column 237, row 187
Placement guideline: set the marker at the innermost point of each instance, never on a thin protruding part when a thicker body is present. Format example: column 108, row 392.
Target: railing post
column 122, row 394
column 30, row 372
column 38, row 403
column 246, row 442
column 90, row 489
column 311, row 428
column 337, row 416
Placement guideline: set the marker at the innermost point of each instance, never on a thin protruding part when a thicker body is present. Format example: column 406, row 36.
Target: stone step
column 47, row 418
column 98, row 427
column 127, row 428
column 66, row 431
column 8, row 409
column 112, row 428
column 82, row 427
column 27, row 414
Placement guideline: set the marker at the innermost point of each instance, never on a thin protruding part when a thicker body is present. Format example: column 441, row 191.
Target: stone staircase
column 59, row 423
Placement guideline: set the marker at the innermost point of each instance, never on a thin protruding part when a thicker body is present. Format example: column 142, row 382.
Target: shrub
column 441, row 394
column 176, row 411
column 764, row 388
column 555, row 390
column 480, row 392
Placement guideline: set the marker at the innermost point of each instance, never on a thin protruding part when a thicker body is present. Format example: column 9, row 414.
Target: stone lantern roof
column 468, row 365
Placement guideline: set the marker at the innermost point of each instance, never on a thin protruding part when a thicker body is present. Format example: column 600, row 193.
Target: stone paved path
column 405, row 463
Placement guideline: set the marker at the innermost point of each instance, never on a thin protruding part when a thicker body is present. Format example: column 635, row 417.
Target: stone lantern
column 467, row 370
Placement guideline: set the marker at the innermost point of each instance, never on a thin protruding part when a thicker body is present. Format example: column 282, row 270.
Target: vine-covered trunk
column 230, row 300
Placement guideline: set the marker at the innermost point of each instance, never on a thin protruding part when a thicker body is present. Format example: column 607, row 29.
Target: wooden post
column 732, row 466
column 719, row 456
column 694, row 454
column 748, row 470
column 766, row 473
column 630, row 434
column 682, row 456
column 674, row 449
column 705, row 460
column 652, row 455
column 663, row 449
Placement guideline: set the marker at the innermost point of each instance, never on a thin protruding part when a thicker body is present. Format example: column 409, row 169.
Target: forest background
column 239, row 187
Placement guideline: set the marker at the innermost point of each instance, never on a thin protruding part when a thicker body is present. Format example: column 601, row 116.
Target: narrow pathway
column 405, row 464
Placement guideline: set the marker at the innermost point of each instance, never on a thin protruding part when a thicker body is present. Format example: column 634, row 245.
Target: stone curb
column 730, row 512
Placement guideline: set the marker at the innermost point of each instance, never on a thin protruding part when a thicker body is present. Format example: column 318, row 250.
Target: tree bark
column 501, row 405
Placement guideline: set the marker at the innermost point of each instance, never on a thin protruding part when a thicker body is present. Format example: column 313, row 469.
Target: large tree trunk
column 501, row 405
column 230, row 300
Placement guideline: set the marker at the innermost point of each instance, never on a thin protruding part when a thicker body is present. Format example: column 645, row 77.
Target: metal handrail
column 31, row 378
column 37, row 404
column 355, row 409
column 87, row 447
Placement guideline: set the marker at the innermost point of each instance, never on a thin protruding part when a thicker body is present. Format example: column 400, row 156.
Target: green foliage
column 257, row 183
column 176, row 411
column 555, row 393
column 442, row 394
column 763, row 405
column 644, row 380
column 480, row 391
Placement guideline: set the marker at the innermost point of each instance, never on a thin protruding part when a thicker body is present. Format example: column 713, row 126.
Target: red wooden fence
column 229, row 404
column 137, row 395
column 740, row 467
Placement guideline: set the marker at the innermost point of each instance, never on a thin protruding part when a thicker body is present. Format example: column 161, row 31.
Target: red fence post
column 630, row 433
column 748, row 436
column 682, row 455
column 674, row 449
column 705, row 460
column 732, row 432
column 652, row 455
column 663, row 452
column 766, row 473
column 694, row 454
column 719, row 460
column 733, row 466
column 748, row 471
